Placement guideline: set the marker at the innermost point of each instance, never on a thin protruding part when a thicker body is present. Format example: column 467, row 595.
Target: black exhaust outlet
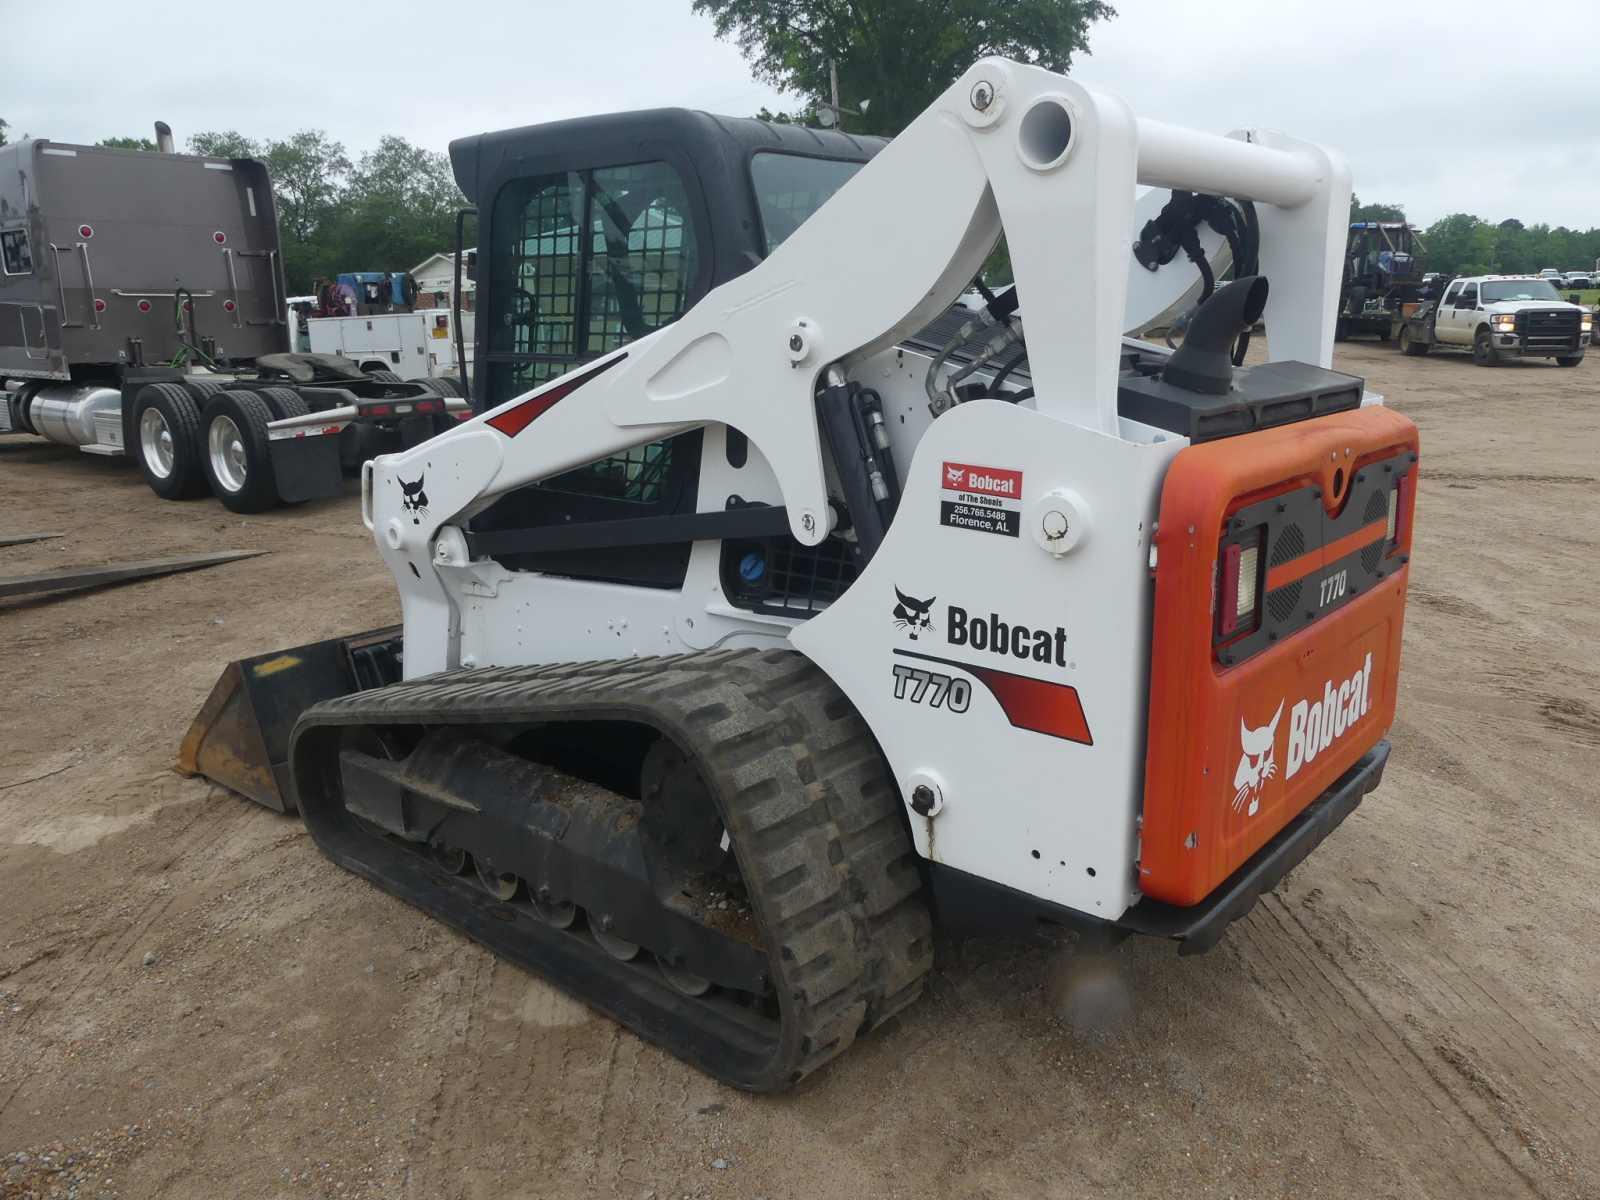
column 1204, row 362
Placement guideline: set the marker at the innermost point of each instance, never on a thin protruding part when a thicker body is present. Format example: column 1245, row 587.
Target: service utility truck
column 419, row 344
column 142, row 316
column 1500, row 318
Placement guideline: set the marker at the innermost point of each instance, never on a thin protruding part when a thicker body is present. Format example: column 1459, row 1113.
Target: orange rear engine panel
column 1252, row 717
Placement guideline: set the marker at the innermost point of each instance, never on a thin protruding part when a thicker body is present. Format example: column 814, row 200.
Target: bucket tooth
column 240, row 737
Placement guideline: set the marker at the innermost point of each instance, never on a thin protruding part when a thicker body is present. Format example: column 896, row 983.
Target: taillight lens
column 1239, row 584
column 1401, row 496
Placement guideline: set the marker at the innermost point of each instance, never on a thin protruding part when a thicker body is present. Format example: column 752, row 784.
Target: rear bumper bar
column 1200, row 927
column 967, row 904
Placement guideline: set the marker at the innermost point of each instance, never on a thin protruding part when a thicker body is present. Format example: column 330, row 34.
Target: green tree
column 398, row 208
column 309, row 173
column 3, row 127
column 896, row 54
column 1512, row 247
column 228, row 143
column 1461, row 244
column 1375, row 212
column 127, row 143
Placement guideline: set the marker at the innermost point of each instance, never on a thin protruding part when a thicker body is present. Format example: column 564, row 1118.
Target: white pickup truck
column 1500, row 317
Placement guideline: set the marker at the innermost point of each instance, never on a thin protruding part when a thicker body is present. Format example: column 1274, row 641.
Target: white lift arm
column 1007, row 146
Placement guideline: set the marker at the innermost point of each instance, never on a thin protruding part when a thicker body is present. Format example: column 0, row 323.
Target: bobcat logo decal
column 1256, row 765
column 912, row 615
column 414, row 498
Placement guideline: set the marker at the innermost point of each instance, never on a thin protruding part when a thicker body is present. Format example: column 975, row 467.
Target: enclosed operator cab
column 597, row 231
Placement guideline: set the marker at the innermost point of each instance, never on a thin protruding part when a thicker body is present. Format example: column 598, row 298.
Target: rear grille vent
column 1283, row 602
column 1291, row 544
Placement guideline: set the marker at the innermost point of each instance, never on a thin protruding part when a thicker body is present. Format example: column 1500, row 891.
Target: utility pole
column 831, row 115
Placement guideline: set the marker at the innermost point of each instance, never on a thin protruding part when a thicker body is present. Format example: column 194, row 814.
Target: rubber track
column 815, row 819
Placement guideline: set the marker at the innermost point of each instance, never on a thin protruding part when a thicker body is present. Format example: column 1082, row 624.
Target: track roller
column 452, row 860
column 620, row 948
column 501, row 887
column 553, row 912
column 686, row 982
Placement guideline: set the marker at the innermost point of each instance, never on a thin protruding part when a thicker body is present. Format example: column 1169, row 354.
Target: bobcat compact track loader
column 790, row 604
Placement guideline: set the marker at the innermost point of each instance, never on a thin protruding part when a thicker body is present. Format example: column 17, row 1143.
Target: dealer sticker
column 985, row 499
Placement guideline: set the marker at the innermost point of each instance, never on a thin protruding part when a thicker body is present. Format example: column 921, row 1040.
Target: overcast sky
column 1492, row 108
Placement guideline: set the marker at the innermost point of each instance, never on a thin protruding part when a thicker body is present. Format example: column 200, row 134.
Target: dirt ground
column 194, row 1003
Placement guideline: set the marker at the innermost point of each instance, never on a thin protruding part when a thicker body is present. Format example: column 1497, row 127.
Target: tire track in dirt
column 1402, row 1090
column 625, row 1108
column 1543, row 1094
column 89, row 969
column 434, row 1144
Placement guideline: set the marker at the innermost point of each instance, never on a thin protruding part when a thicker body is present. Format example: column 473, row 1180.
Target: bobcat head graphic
column 414, row 498
column 1257, row 764
column 953, row 475
column 912, row 615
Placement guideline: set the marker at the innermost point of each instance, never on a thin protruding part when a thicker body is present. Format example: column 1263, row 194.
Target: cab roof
column 477, row 160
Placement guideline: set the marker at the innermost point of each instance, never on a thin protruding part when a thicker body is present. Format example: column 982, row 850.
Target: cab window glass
column 789, row 188
column 641, row 253
column 1469, row 296
column 582, row 263
column 16, row 256
column 536, row 254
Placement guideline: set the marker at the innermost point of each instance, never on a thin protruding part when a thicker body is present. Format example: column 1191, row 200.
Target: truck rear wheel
column 201, row 388
column 380, row 374
column 238, row 462
column 283, row 402
column 1410, row 346
column 166, row 421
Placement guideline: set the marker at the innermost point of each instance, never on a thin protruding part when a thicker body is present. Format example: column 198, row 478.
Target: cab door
column 1444, row 320
column 1466, row 315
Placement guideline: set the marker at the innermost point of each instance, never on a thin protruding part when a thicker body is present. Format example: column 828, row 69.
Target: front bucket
column 240, row 738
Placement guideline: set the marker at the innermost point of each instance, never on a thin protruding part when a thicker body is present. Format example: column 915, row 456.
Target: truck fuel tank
column 65, row 412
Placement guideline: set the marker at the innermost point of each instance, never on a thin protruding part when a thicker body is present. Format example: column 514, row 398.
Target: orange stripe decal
column 1313, row 560
column 517, row 418
column 1036, row 705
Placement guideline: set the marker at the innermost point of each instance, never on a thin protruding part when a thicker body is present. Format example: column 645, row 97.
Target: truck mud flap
column 307, row 468
column 240, row 737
